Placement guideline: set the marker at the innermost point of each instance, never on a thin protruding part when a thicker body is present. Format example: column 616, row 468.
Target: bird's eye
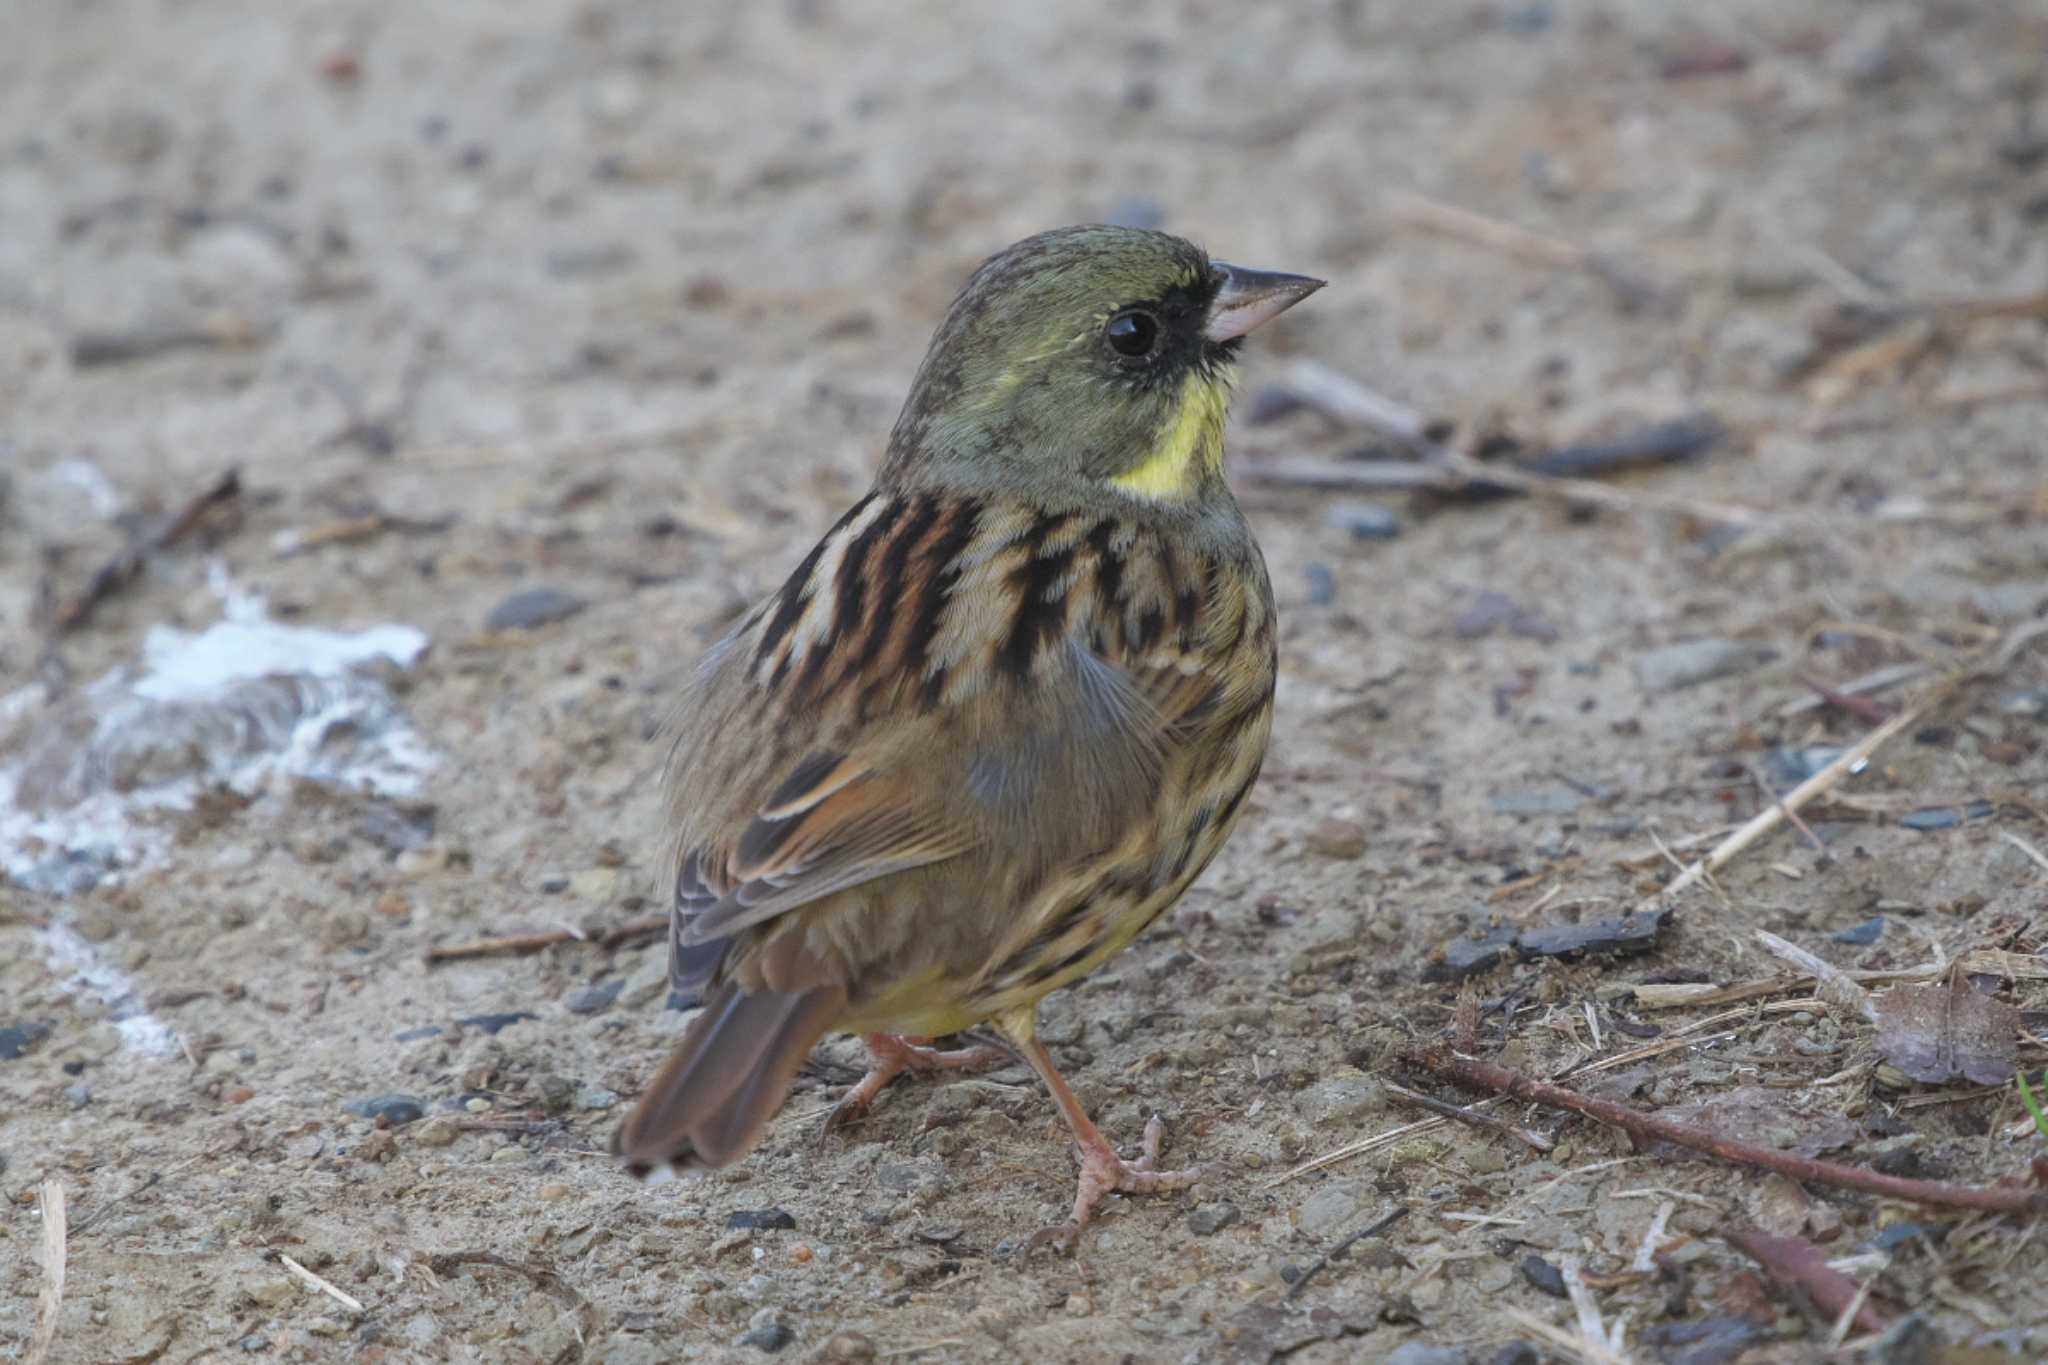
column 1133, row 334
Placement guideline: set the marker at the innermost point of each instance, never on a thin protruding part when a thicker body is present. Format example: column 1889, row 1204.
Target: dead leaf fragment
column 1936, row 1033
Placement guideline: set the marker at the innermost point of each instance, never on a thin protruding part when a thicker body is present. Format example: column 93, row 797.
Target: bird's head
column 1087, row 355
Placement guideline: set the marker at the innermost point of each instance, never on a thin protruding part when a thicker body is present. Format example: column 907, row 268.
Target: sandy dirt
column 618, row 300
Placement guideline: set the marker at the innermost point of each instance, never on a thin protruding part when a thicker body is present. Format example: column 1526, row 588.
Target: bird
column 997, row 720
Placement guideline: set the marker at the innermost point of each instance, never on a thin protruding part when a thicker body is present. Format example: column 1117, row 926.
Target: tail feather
column 733, row 1068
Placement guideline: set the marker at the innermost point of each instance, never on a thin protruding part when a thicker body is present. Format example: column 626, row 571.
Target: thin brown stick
column 1802, row 1266
column 1875, row 712
column 122, row 569
column 533, row 943
column 1470, row 1117
column 1891, row 675
column 50, row 1302
column 1369, row 1230
column 1644, row 1128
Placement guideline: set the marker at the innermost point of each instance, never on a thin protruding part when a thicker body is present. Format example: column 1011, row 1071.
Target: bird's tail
column 715, row 1094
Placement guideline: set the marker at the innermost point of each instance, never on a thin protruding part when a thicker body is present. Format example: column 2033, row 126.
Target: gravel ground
column 545, row 337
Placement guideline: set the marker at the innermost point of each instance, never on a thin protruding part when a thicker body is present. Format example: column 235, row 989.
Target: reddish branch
column 1646, row 1128
column 1804, row 1267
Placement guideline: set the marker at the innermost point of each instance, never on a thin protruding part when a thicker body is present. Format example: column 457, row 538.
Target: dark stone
column 770, row 1337
column 1543, row 1277
column 1945, row 817
column 1864, row 934
column 1467, row 954
column 394, row 1111
column 532, row 608
column 1212, row 1218
column 762, row 1220
column 413, row 1035
column 1622, row 934
column 17, row 1039
column 491, row 1023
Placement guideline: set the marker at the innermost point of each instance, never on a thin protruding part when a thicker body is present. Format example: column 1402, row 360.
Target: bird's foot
column 1104, row 1172
column 892, row 1054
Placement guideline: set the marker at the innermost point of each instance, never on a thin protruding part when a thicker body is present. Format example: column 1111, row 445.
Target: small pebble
column 80, row 1095
column 596, row 1097
column 553, row 1191
column 534, row 607
column 506, row 1156
column 1079, row 1305
column 477, row 1104
column 272, row 1292
column 1864, row 934
column 1212, row 1218
column 595, row 999
column 437, row 1132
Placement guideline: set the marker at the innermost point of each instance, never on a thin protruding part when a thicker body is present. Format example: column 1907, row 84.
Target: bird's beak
column 1251, row 298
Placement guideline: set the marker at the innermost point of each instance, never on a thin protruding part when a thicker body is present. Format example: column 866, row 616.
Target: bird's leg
column 892, row 1054
column 1102, row 1170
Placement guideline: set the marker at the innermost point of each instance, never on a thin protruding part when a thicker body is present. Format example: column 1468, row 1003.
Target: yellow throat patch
column 1189, row 447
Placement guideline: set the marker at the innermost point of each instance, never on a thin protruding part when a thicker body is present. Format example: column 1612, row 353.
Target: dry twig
column 1472, row 1118
column 1645, row 1128
column 312, row 1281
column 1835, row 985
column 533, row 943
column 122, row 569
column 1370, row 1230
column 50, row 1302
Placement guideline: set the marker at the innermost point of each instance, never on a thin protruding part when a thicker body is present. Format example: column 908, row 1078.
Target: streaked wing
column 942, row 677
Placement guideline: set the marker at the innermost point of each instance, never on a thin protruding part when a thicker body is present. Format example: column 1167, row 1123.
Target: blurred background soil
column 556, row 332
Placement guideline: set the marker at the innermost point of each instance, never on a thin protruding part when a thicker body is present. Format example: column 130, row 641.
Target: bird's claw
column 1104, row 1172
